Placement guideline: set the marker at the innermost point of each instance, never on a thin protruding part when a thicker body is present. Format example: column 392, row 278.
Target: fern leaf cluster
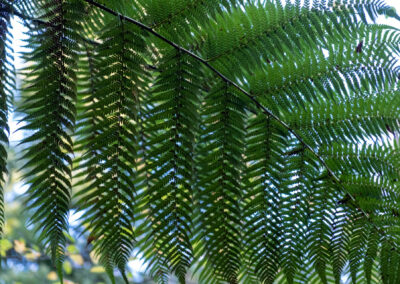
column 246, row 141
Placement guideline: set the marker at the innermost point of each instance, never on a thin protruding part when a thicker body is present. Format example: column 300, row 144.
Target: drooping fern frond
column 360, row 276
column 174, row 119
column 265, row 145
column 321, row 222
column 49, row 109
column 357, row 244
column 339, row 242
column 219, row 188
column 370, row 253
column 111, row 142
column 296, row 193
column 389, row 262
column 306, row 274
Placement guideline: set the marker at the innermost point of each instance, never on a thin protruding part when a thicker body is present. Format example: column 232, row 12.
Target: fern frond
column 365, row 9
column 174, row 121
column 389, row 262
column 192, row 11
column 308, row 274
column 347, row 159
column 339, row 242
column 299, row 168
column 323, row 206
column 375, row 182
column 49, row 109
column 371, row 253
column 111, row 142
column 266, row 141
column 275, row 32
column 315, row 77
column 358, row 239
column 219, row 187
column 360, row 276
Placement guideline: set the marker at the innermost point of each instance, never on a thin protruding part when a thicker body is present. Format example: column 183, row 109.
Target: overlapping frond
column 370, row 173
column 389, row 262
column 371, row 252
column 357, row 244
column 296, row 189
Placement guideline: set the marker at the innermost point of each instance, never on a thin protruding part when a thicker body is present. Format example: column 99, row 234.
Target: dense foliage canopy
column 247, row 140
